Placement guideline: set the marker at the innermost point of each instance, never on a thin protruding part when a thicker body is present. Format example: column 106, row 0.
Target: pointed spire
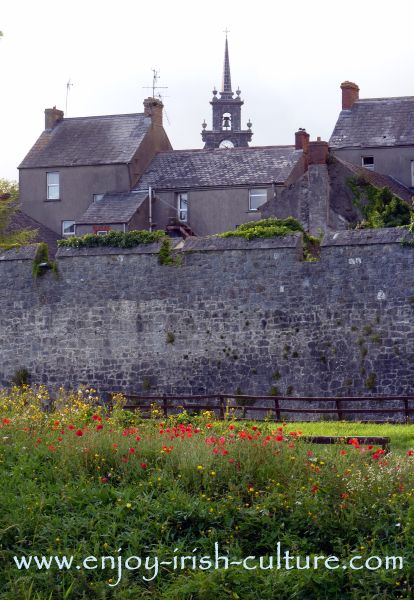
column 226, row 89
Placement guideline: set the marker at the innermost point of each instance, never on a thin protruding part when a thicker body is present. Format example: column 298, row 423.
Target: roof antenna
column 154, row 86
column 68, row 86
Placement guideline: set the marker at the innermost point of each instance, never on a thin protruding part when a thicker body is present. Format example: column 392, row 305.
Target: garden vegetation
column 80, row 480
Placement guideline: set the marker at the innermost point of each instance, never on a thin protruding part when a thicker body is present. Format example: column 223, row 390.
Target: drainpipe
column 150, row 207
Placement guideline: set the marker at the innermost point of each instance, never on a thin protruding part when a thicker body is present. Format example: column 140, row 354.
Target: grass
column 81, row 482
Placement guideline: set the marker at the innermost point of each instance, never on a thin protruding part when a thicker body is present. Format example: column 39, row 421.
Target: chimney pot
column 52, row 117
column 350, row 94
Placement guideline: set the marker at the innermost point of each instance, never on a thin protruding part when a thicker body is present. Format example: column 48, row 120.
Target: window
column 68, row 228
column 257, row 198
column 368, row 162
column 52, row 181
column 98, row 197
column 182, row 206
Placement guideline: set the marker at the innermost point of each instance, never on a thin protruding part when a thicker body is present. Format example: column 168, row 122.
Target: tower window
column 257, row 197
column 226, row 123
column 182, row 207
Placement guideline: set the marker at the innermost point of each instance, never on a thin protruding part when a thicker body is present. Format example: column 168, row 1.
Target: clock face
column 226, row 144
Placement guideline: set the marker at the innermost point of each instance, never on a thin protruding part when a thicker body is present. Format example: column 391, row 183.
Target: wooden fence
column 277, row 407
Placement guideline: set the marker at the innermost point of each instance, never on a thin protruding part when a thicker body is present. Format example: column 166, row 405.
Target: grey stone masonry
column 230, row 314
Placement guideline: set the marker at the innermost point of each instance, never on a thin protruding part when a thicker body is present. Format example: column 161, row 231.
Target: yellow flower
column 200, row 467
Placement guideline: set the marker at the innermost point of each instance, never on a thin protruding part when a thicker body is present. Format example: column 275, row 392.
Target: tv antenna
column 68, row 86
column 154, row 86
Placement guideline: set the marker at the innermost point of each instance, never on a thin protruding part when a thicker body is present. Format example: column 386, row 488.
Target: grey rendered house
column 214, row 190
column 376, row 133
column 76, row 161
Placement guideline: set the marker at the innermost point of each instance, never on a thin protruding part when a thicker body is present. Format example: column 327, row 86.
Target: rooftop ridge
column 239, row 148
column 102, row 117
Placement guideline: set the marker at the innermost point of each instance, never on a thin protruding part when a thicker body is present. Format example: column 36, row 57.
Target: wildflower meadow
column 129, row 498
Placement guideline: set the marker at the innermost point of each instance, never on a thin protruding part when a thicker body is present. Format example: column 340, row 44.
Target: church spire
column 226, row 89
column 226, row 131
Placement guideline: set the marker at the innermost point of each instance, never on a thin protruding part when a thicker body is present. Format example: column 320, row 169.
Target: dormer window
column 368, row 162
column 52, row 186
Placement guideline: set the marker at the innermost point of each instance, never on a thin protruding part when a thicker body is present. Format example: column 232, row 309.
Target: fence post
column 221, row 404
column 406, row 410
column 338, row 409
column 277, row 409
column 165, row 405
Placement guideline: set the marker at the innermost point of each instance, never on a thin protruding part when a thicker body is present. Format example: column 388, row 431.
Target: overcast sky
column 288, row 58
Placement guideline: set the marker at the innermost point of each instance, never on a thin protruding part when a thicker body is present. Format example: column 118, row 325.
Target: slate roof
column 378, row 180
column 21, row 221
column 220, row 167
column 375, row 122
column 113, row 208
column 107, row 139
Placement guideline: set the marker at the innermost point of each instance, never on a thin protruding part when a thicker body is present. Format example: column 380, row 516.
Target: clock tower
column 226, row 131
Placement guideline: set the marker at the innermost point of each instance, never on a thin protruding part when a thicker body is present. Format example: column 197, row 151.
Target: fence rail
column 280, row 407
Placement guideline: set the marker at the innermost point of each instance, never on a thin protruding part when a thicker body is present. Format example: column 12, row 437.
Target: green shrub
column 116, row 239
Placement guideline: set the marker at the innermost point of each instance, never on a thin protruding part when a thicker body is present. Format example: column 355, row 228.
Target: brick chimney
column 52, row 117
column 350, row 93
column 318, row 152
column 153, row 108
column 302, row 140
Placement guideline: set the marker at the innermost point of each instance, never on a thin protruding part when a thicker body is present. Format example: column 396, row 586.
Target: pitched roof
column 220, row 167
column 98, row 140
column 21, row 221
column 375, row 122
column 113, row 208
column 379, row 180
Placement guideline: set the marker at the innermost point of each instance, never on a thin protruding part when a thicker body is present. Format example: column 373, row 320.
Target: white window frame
column 52, row 187
column 254, row 195
column 182, row 207
column 368, row 166
column 102, row 232
column 98, row 197
column 66, row 225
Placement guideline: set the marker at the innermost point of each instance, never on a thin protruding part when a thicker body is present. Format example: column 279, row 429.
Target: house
column 376, row 133
column 76, row 161
column 322, row 198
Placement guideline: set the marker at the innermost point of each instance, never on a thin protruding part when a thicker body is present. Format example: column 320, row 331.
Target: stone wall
column 233, row 315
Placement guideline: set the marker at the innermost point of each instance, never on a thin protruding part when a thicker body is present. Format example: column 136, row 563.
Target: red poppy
column 131, row 450
column 104, row 479
column 99, row 427
column 143, row 465
column 71, row 427
column 6, row 421
column 315, row 489
column 96, row 418
column 138, row 438
column 79, row 433
column 410, row 452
